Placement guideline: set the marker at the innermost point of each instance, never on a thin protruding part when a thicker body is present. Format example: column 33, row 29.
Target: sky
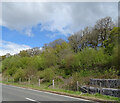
column 26, row 25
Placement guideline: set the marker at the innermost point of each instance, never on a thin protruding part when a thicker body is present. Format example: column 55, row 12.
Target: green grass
column 64, row 91
column 105, row 97
column 74, row 93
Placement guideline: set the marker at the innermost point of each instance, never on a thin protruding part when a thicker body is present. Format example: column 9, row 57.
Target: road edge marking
column 30, row 99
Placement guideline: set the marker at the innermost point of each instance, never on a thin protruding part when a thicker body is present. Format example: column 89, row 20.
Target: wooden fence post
column 7, row 79
column 100, row 88
column 108, row 86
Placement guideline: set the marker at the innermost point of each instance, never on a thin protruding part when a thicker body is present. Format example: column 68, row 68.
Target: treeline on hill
column 89, row 53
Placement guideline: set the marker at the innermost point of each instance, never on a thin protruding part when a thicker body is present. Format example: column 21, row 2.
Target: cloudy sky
column 32, row 24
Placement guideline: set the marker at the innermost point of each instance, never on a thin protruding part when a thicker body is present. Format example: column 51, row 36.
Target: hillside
column 89, row 53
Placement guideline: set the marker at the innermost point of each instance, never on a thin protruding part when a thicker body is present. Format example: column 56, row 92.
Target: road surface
column 15, row 94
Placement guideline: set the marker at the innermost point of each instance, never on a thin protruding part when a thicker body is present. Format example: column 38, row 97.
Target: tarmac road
column 13, row 94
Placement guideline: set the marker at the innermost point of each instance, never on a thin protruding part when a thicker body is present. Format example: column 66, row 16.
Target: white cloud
column 61, row 17
column 52, row 35
column 12, row 48
column 29, row 32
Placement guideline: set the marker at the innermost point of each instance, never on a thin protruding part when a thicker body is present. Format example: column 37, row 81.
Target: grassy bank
column 78, row 94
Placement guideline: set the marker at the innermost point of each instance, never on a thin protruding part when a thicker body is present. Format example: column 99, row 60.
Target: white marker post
column 29, row 81
column 39, row 82
column 53, row 83
column 19, row 80
column 77, row 86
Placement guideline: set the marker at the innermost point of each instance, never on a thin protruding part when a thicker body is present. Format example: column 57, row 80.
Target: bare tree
column 103, row 26
column 74, row 41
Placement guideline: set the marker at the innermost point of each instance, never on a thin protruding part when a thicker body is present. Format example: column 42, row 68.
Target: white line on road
column 31, row 99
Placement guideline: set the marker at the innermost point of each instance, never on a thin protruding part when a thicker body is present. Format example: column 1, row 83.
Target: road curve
column 13, row 94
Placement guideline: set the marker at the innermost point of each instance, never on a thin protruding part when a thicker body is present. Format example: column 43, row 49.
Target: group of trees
column 92, row 49
column 92, row 36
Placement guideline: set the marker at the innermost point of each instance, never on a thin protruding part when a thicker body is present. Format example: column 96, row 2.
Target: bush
column 11, row 71
column 48, row 74
column 19, row 74
column 90, row 58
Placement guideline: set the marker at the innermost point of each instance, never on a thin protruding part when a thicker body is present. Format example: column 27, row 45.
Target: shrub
column 90, row 58
column 48, row 74
column 19, row 74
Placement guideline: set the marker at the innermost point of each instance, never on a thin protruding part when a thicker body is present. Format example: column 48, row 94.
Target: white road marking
column 48, row 93
column 31, row 99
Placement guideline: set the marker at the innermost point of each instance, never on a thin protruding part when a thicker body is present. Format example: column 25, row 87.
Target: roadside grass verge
column 78, row 94
column 105, row 97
